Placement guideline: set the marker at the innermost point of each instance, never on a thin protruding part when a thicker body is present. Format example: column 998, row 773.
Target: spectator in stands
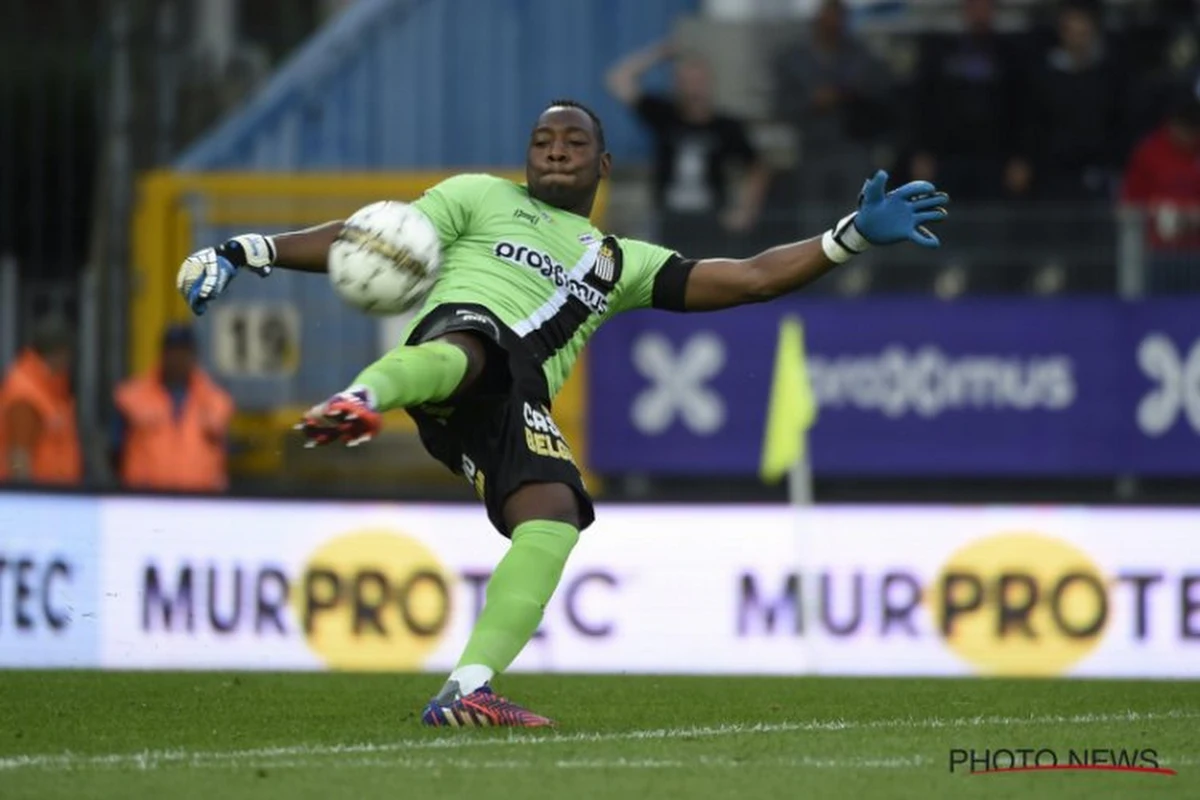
column 1164, row 52
column 1163, row 179
column 1181, row 48
column 173, row 423
column 970, row 93
column 1076, row 131
column 696, row 150
column 39, row 438
column 834, row 92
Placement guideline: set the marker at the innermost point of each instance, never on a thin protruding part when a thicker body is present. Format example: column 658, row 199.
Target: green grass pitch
column 260, row 735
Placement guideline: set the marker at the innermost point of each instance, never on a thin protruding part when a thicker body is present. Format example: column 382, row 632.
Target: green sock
column 412, row 375
column 517, row 593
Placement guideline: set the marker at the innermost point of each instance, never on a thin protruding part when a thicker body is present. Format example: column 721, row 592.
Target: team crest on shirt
column 606, row 269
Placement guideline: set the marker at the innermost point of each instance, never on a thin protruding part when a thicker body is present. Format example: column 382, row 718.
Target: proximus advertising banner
column 907, row 386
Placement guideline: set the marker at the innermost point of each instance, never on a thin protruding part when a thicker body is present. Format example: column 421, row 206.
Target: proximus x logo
column 679, row 383
column 1177, row 393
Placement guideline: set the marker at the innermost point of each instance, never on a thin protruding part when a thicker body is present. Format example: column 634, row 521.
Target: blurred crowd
column 1044, row 131
column 169, row 430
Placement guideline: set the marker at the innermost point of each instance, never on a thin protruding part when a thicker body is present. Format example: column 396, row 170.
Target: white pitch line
column 806, row 762
column 158, row 759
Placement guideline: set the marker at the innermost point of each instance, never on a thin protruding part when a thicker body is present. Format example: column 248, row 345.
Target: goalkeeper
column 525, row 281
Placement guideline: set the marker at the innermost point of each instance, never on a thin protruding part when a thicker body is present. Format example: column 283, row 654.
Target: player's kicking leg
column 545, row 520
column 408, row 376
column 535, row 497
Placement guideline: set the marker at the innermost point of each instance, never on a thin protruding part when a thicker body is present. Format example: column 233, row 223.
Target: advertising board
column 49, row 581
column 1066, row 387
column 728, row 589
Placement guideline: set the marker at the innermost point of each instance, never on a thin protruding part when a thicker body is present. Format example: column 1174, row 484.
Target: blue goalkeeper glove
column 900, row 215
column 205, row 274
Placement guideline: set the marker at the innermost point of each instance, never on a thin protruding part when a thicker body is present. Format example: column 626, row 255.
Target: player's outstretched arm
column 882, row 218
column 306, row 250
column 205, row 274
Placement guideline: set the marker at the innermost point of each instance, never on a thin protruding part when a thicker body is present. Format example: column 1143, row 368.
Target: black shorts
column 499, row 436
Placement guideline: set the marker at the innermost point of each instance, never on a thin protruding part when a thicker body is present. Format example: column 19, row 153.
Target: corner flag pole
column 800, row 490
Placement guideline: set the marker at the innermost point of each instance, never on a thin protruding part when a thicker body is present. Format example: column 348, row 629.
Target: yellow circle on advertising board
column 1020, row 604
column 373, row 600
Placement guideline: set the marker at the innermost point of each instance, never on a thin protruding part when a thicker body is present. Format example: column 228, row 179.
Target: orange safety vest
column 56, row 456
column 168, row 452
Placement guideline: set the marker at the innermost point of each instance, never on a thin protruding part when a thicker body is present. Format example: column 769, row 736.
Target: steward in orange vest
column 39, row 439
column 173, row 423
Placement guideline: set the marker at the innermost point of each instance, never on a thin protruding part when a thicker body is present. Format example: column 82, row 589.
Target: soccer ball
column 385, row 259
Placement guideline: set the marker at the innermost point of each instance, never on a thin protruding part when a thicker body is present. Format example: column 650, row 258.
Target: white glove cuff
column 843, row 241
column 259, row 249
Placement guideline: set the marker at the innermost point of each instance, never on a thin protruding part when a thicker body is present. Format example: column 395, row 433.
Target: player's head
column 567, row 157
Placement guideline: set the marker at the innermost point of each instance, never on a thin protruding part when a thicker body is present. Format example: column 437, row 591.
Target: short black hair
column 566, row 102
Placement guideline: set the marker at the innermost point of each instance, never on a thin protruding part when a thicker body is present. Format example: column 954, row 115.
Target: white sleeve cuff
column 843, row 241
column 259, row 249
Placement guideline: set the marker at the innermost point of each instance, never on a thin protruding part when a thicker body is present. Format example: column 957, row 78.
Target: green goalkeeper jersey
column 548, row 274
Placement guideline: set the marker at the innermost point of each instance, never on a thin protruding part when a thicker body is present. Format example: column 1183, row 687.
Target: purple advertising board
column 908, row 387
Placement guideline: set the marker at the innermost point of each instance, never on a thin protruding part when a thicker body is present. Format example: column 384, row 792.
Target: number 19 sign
column 256, row 340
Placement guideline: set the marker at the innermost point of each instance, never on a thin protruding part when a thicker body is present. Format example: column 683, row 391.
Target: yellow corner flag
column 791, row 407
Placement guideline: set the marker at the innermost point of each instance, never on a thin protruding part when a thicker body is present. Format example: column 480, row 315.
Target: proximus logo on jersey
column 551, row 270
